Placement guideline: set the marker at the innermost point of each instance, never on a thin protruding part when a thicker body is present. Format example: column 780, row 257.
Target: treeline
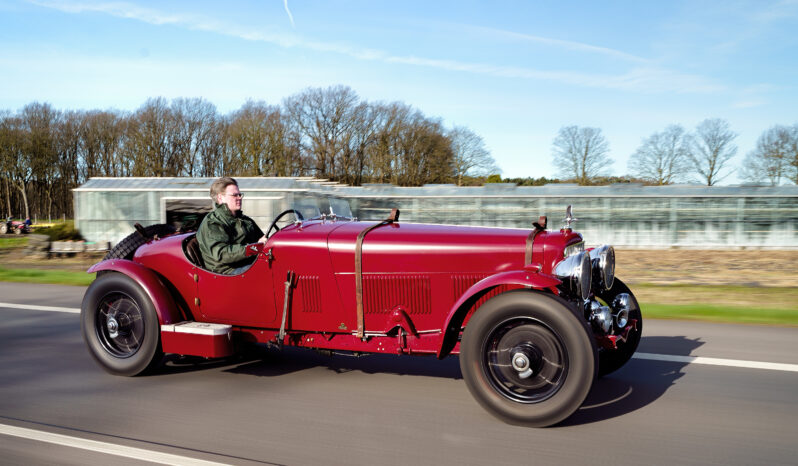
column 675, row 155
column 331, row 133
column 327, row 133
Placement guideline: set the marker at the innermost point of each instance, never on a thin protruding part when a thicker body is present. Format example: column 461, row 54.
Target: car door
column 246, row 299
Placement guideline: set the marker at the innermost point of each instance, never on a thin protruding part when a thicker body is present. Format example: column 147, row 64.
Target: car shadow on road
column 274, row 363
column 639, row 383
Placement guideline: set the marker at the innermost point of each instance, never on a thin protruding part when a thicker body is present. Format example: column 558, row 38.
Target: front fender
column 165, row 307
column 458, row 312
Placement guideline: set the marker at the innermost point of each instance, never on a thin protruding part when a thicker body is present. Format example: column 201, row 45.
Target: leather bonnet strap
column 540, row 225
column 394, row 217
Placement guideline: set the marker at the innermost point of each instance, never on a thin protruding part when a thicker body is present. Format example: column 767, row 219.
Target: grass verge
column 13, row 242
column 712, row 313
column 57, row 277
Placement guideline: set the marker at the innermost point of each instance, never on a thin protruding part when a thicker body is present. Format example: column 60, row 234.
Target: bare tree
column 146, row 145
column 101, row 138
column 580, row 153
column 712, row 148
column 360, row 135
column 382, row 154
column 470, row 154
column 793, row 154
column 424, row 153
column 191, row 124
column 39, row 124
column 256, row 139
column 770, row 160
column 68, row 150
column 12, row 160
column 662, row 158
column 322, row 117
column 214, row 149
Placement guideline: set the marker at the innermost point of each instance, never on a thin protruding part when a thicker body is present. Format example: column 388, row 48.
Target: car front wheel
column 120, row 326
column 610, row 360
column 528, row 359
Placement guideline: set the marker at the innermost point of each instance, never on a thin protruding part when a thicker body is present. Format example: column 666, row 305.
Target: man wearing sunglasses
column 225, row 232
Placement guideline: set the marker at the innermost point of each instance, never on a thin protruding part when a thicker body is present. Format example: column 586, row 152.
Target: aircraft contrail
column 290, row 16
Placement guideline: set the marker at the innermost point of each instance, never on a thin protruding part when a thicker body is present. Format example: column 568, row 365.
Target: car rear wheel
column 612, row 360
column 120, row 326
column 528, row 359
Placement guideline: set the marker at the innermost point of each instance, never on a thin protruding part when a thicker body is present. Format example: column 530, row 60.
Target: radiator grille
column 382, row 293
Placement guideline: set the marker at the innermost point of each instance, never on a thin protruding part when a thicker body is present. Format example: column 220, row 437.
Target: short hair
column 220, row 185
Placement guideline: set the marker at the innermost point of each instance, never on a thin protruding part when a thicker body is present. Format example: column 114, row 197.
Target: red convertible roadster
column 534, row 316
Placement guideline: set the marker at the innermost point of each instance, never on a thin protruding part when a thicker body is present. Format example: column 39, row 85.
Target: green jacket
column 222, row 238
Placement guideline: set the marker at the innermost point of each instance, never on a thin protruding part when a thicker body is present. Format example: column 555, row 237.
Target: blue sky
column 513, row 72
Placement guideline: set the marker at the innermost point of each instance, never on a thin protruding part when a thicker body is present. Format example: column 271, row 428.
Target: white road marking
column 103, row 447
column 32, row 307
column 775, row 366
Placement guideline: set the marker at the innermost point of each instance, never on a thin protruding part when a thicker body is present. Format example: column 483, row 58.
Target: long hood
column 428, row 249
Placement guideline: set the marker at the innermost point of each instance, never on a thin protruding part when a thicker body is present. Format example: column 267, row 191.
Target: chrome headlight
column 603, row 262
column 574, row 249
column 575, row 273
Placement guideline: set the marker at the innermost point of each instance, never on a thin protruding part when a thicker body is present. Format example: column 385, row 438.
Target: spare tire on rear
column 127, row 247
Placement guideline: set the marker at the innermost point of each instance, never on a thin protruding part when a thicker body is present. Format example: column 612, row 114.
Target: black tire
column 127, row 247
column 559, row 349
column 612, row 360
column 120, row 326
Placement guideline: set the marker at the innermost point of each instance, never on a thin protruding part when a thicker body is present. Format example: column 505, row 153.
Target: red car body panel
column 418, row 280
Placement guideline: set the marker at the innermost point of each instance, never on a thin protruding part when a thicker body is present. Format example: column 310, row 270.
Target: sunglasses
column 236, row 195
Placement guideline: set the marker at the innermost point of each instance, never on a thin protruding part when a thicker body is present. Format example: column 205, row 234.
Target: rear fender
column 165, row 307
column 457, row 314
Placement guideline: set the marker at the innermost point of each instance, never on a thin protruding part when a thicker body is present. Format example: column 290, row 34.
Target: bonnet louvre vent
column 462, row 282
column 382, row 293
column 310, row 291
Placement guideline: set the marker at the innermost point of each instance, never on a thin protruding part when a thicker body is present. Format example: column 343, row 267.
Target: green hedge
column 61, row 232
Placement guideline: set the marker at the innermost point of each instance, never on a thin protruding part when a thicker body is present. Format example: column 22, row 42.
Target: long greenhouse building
column 632, row 216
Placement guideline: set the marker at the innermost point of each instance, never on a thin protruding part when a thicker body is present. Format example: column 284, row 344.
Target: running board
column 197, row 339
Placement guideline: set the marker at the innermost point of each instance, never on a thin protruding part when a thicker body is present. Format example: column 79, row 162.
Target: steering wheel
column 274, row 226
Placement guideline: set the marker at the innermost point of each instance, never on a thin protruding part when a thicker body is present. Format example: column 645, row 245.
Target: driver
column 225, row 232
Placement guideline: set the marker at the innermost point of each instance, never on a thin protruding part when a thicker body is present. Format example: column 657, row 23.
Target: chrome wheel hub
column 119, row 325
column 521, row 364
column 113, row 327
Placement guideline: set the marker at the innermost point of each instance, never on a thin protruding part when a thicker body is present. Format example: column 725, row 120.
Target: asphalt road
column 297, row 407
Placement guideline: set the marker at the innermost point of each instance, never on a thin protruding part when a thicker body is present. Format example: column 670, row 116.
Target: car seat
column 192, row 250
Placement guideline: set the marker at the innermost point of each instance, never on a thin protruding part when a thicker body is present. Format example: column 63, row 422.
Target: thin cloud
column 290, row 16
column 643, row 79
column 563, row 44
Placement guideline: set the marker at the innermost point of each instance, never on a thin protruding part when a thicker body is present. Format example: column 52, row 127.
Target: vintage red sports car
column 533, row 315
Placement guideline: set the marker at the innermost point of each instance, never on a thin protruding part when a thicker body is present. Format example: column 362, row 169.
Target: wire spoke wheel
column 525, row 360
column 119, row 325
column 528, row 358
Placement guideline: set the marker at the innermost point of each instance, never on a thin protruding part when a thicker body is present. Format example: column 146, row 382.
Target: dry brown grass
column 757, row 279
column 750, row 268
